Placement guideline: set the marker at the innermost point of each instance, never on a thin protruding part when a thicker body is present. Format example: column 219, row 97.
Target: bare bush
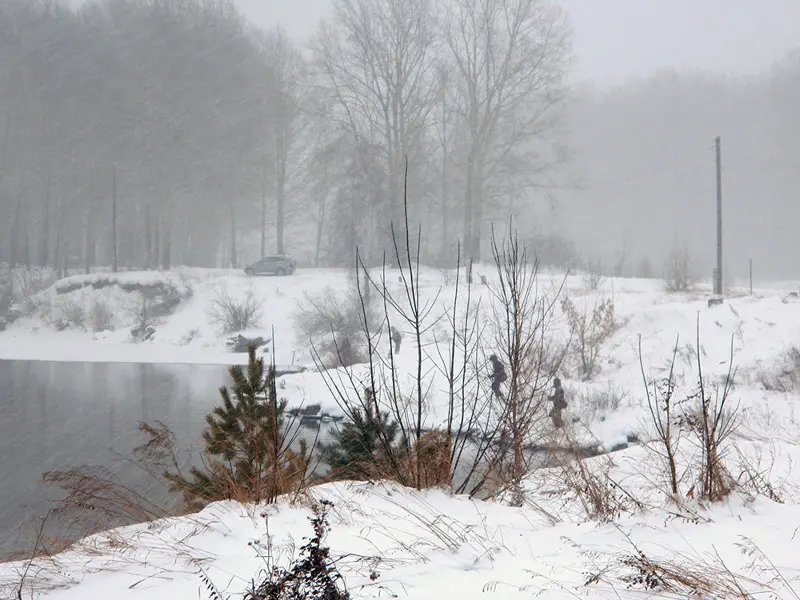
column 661, row 405
column 337, row 324
column 706, row 414
column 693, row 575
column 69, row 312
column 143, row 329
column 589, row 403
column 432, row 455
column 677, row 269
column 394, row 442
column 588, row 481
column 593, row 275
column 233, row 314
column 713, row 424
column 26, row 282
column 100, row 318
column 590, row 326
column 785, row 377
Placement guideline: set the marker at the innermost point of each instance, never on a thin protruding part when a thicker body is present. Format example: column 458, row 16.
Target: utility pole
column 718, row 274
column 115, row 265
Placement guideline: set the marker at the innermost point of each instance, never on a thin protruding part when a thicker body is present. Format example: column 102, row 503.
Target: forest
column 151, row 133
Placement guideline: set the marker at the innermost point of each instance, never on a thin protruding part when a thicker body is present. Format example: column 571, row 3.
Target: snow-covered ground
column 761, row 327
column 432, row 543
column 390, row 541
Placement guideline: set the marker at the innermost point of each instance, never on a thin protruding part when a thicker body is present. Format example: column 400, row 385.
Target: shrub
column 589, row 330
column 589, row 482
column 365, row 446
column 313, row 576
column 338, row 325
column 593, row 275
column 70, row 313
column 591, row 402
column 26, row 282
column 234, row 315
column 786, row 376
column 521, row 317
column 432, row 456
column 707, row 415
column 677, row 270
column 100, row 316
column 246, row 450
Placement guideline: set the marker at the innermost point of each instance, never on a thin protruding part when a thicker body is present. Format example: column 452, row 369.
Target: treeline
column 159, row 132
column 161, row 104
column 645, row 180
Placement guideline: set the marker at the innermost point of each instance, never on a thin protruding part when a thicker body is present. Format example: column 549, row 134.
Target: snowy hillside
column 394, row 541
column 389, row 541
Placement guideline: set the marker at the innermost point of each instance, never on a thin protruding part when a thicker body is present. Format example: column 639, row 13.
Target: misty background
column 218, row 131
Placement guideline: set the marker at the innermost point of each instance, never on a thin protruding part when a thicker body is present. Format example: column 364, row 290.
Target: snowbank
column 392, row 541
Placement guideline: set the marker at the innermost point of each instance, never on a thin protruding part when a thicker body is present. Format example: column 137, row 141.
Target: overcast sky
column 619, row 39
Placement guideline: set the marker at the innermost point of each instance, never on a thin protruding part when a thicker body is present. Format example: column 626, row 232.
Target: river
column 58, row 415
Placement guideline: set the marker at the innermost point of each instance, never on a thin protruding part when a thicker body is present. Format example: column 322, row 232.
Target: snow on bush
column 106, row 302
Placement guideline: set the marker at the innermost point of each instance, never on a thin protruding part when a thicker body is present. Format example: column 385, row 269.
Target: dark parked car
column 279, row 264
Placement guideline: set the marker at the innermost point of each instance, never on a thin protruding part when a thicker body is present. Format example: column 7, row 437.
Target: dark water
column 59, row 415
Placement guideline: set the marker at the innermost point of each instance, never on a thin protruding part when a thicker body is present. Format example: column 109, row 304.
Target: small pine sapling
column 365, row 446
column 246, row 449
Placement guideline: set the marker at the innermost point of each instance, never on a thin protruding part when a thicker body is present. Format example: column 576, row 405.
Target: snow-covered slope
column 429, row 544
column 390, row 541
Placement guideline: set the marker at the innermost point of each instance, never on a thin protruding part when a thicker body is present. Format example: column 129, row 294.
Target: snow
column 432, row 543
column 761, row 328
column 422, row 545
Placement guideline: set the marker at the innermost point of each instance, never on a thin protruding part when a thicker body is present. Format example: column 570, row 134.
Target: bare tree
column 376, row 57
column 286, row 121
column 522, row 316
column 511, row 59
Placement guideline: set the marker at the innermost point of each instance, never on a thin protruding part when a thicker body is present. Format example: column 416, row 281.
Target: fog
column 151, row 133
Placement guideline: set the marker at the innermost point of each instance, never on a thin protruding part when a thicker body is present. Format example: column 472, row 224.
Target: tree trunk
column 13, row 238
column 234, row 262
column 468, row 199
column 114, row 243
column 280, row 187
column 88, row 253
column 44, row 242
column 148, row 239
column 64, row 258
column 280, row 199
column 320, row 225
column 166, row 250
column 264, row 213
column 59, row 250
column 26, row 247
column 157, row 257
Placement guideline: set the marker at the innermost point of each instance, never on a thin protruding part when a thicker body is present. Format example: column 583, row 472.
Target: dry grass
column 431, row 454
column 785, row 377
column 692, row 575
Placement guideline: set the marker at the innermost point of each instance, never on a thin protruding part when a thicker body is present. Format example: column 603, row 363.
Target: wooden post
column 115, row 251
column 718, row 279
